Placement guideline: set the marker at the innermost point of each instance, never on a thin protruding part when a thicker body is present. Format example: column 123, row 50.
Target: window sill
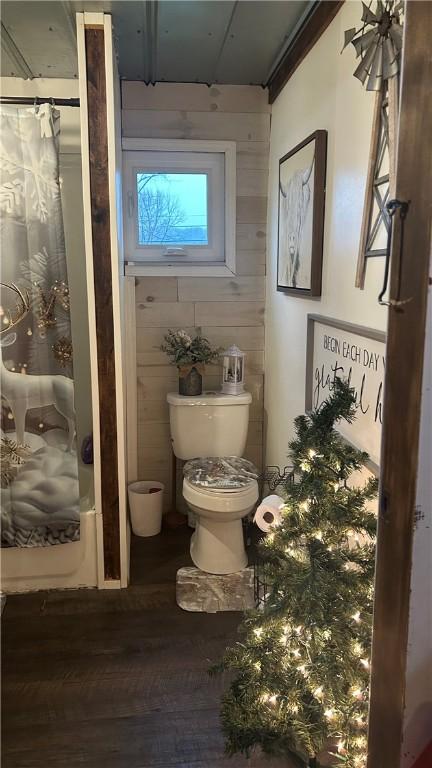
column 178, row 270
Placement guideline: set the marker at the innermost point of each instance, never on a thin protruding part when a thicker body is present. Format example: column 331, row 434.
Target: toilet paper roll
column 268, row 514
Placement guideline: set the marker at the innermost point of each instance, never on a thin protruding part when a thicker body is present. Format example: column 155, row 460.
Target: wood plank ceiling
column 205, row 41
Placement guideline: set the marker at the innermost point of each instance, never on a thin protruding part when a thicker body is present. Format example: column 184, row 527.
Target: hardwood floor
column 116, row 679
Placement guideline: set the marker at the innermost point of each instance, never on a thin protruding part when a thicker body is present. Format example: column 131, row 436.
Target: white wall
column 322, row 94
column 70, row 172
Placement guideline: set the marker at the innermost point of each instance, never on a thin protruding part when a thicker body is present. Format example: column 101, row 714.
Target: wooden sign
column 357, row 354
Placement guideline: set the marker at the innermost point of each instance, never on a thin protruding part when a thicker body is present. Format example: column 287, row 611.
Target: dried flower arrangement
column 189, row 354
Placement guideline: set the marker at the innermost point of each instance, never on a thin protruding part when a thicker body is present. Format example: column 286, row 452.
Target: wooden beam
column 402, row 400
column 311, row 31
column 102, row 269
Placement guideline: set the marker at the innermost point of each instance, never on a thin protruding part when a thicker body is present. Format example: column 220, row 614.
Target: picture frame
column 302, row 183
column 357, row 354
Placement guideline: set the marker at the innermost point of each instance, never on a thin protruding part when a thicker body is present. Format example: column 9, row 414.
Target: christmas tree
column 301, row 669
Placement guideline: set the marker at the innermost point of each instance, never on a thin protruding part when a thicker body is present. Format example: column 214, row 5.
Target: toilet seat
column 220, row 473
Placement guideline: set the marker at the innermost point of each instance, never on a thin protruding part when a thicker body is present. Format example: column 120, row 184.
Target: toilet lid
column 227, row 473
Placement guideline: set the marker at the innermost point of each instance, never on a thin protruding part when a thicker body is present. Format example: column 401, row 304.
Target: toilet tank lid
column 209, row 398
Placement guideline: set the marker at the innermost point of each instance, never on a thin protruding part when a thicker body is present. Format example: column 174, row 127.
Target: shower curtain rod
column 39, row 100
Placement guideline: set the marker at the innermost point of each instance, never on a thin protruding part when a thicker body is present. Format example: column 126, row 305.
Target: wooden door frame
column 403, row 388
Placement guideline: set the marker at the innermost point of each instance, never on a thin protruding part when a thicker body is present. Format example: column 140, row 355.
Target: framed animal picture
column 302, row 175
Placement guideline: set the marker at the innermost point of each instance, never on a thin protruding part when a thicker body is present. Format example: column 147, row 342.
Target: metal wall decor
column 378, row 219
column 380, row 179
column 380, row 46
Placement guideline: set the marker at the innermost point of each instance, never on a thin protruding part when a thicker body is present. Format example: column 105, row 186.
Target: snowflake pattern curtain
column 39, row 469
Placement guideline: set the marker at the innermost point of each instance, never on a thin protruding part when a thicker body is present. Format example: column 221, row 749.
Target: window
column 179, row 205
column 171, row 208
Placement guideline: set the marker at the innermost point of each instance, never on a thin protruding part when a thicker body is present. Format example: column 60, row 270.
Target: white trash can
column 145, row 504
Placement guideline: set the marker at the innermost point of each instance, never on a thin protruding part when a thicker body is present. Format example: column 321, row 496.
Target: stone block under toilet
column 211, row 593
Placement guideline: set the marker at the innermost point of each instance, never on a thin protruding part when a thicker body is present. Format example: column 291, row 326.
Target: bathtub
column 63, row 566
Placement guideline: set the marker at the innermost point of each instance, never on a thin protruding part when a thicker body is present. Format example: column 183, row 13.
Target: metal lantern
column 233, row 371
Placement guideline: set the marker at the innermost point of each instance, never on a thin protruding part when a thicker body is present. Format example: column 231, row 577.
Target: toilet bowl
column 217, row 545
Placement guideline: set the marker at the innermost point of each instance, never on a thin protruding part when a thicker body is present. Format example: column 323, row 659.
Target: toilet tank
column 212, row 424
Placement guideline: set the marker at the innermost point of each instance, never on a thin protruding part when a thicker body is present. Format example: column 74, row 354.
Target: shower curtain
column 39, row 468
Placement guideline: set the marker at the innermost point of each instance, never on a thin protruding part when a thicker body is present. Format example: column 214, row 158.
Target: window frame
column 185, row 267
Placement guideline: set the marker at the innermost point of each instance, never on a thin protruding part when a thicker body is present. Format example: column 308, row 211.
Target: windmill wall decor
column 380, row 46
column 378, row 43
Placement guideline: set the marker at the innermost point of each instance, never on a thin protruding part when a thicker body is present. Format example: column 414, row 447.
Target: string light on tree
column 341, row 747
column 357, row 693
column 301, row 667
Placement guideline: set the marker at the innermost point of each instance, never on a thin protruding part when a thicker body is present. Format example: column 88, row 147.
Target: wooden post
column 100, row 138
column 402, row 401
column 100, row 213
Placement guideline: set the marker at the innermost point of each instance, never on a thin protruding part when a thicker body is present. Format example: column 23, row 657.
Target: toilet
column 209, row 432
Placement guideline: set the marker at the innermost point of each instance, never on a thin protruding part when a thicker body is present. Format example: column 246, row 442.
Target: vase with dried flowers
column 190, row 355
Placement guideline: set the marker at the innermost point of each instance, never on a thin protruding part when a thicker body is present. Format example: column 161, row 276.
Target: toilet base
column 218, row 547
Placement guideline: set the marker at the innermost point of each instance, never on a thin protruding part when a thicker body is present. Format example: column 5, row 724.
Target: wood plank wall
column 227, row 310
